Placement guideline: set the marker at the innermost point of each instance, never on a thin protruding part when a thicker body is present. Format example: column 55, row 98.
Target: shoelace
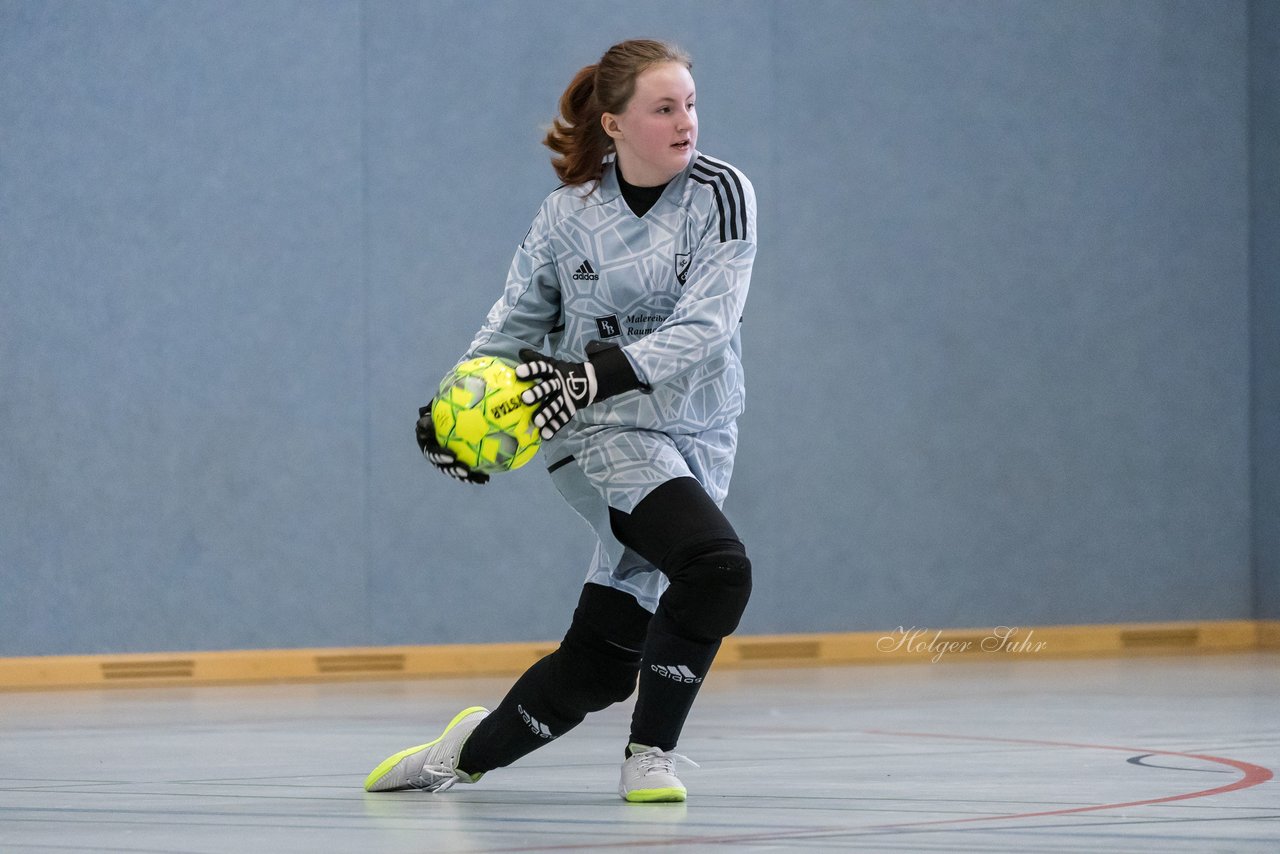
column 431, row 780
column 658, row 761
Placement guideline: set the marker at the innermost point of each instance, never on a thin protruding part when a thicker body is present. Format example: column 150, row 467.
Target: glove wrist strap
column 614, row 371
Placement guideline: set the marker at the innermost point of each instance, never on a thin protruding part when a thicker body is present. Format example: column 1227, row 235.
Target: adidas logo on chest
column 586, row 272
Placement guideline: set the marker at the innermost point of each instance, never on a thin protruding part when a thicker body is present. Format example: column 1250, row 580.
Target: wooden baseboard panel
column 1269, row 634
column 898, row 645
column 1003, row 643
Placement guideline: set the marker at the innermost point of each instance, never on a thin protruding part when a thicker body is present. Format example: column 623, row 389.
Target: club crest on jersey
column 683, row 260
column 586, row 272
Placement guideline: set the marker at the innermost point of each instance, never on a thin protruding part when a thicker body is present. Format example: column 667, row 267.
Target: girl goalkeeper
column 623, row 304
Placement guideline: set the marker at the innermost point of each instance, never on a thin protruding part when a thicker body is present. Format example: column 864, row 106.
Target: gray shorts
column 598, row 467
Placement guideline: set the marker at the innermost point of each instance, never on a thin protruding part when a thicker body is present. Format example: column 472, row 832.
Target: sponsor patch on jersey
column 608, row 327
column 641, row 324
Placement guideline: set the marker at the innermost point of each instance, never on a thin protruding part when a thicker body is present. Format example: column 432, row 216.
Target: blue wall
column 1264, row 275
column 998, row 342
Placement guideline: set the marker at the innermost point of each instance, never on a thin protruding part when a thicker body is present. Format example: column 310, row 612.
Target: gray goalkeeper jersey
column 669, row 287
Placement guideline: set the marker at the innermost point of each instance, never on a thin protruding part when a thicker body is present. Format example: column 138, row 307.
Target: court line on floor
column 1253, row 775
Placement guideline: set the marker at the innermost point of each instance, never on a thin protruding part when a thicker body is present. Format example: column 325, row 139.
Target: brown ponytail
column 606, row 87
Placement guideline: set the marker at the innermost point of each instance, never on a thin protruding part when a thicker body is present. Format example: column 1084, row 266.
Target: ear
column 609, row 122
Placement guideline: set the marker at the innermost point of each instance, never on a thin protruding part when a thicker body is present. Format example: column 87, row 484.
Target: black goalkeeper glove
column 562, row 388
column 440, row 457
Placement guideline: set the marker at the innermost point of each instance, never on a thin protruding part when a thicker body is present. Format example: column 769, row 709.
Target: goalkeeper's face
column 656, row 133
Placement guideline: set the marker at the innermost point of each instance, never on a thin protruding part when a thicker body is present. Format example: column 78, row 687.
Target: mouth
column 682, row 145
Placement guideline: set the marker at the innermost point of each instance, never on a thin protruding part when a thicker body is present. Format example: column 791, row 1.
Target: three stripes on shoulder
column 731, row 198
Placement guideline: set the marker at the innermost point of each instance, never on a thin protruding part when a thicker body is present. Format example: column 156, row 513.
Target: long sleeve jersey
column 668, row 287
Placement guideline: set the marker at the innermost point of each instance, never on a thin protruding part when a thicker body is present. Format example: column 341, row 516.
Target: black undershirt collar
column 639, row 199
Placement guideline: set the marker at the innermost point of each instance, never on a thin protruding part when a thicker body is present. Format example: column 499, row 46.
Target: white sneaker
column 432, row 767
column 649, row 776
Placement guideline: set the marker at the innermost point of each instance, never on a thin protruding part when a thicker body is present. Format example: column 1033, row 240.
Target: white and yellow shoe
column 649, row 776
column 432, row 767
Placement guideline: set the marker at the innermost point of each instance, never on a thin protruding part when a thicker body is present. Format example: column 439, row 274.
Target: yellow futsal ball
column 479, row 416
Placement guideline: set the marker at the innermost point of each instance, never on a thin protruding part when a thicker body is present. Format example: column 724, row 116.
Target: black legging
column 612, row 639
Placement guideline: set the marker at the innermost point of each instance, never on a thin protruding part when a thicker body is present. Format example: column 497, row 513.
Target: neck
column 640, row 180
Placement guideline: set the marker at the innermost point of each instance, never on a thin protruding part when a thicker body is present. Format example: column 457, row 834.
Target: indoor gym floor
column 1160, row 754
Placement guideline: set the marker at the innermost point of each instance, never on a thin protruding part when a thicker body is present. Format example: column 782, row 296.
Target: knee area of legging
column 592, row 671
column 708, row 599
column 608, row 621
column 591, row 683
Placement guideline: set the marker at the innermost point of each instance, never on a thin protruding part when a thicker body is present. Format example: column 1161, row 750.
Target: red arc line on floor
column 1253, row 775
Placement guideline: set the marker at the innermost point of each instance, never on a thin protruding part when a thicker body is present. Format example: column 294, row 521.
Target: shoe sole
column 393, row 760
column 655, row 796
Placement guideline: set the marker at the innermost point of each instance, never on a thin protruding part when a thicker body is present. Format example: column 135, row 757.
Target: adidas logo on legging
column 677, row 672
column 539, row 728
